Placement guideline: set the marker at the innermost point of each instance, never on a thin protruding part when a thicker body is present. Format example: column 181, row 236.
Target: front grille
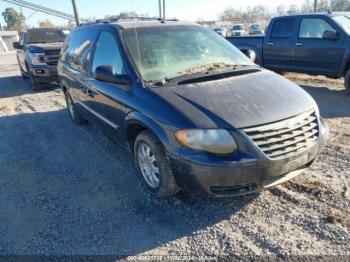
column 53, row 52
column 287, row 137
column 51, row 57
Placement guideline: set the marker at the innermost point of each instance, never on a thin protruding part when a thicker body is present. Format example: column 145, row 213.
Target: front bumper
column 245, row 175
column 44, row 74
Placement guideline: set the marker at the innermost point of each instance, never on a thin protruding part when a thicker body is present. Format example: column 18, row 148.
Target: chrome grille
column 51, row 57
column 287, row 137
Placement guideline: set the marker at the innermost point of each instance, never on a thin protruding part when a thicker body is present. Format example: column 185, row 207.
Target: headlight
column 217, row 141
column 37, row 58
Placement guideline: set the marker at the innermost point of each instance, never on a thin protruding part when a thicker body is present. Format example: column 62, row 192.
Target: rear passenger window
column 107, row 53
column 314, row 28
column 77, row 52
column 283, row 28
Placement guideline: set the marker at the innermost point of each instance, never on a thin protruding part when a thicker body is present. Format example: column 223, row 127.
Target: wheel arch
column 137, row 122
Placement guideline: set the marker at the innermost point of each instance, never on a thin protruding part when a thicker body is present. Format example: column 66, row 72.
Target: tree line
column 252, row 14
column 261, row 13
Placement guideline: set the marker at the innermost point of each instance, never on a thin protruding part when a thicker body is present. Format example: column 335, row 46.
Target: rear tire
column 347, row 81
column 150, row 155
column 73, row 111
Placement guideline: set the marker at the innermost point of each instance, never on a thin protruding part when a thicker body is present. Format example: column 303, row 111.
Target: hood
column 239, row 101
column 42, row 47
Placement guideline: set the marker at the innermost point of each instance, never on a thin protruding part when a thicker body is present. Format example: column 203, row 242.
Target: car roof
column 315, row 14
column 153, row 23
column 131, row 24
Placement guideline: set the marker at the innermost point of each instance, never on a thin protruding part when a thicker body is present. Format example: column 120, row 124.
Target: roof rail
column 135, row 18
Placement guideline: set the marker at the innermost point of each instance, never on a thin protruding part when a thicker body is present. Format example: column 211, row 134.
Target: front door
column 109, row 95
column 313, row 53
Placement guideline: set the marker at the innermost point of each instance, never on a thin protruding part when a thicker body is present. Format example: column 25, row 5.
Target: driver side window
column 107, row 53
column 314, row 28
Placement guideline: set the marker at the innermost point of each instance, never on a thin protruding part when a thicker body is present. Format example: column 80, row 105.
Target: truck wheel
column 24, row 76
column 347, row 81
column 35, row 85
column 153, row 165
column 73, row 111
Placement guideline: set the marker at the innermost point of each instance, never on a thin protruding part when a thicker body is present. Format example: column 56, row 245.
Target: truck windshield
column 44, row 36
column 168, row 51
column 343, row 21
column 237, row 27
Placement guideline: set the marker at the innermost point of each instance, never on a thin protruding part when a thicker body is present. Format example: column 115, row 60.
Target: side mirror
column 17, row 45
column 331, row 35
column 106, row 73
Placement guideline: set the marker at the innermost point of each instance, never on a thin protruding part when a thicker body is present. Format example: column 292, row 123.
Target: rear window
column 45, row 36
column 283, row 28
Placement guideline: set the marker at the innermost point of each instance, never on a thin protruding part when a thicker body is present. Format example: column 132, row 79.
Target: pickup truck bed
column 245, row 43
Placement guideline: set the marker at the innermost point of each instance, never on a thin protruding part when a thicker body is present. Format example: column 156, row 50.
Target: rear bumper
column 244, row 176
column 44, row 74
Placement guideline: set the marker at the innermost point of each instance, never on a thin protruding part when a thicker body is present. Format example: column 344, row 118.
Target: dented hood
column 240, row 101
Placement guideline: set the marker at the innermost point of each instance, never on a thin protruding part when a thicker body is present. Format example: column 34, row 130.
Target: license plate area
column 295, row 163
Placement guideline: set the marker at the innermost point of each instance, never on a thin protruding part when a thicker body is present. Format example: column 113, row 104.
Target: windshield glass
column 44, row 36
column 343, row 21
column 237, row 27
column 170, row 51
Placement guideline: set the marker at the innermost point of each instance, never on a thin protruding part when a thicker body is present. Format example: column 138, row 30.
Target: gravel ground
column 68, row 190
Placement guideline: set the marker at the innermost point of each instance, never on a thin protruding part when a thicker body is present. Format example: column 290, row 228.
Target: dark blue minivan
column 194, row 111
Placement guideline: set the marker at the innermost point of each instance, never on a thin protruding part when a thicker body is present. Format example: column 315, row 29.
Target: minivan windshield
column 343, row 21
column 164, row 52
column 45, row 36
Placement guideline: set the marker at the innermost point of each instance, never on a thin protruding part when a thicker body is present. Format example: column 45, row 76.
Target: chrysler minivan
column 194, row 111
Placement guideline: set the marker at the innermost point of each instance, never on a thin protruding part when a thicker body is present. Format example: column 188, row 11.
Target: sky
column 189, row 10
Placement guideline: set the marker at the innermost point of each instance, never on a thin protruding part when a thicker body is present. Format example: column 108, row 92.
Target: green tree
column 13, row 19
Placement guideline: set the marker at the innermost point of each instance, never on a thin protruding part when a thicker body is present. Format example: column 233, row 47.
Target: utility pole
column 315, row 6
column 160, row 8
column 161, row 5
column 76, row 13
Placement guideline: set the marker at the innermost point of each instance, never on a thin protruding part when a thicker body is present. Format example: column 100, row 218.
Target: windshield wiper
column 210, row 72
column 205, row 68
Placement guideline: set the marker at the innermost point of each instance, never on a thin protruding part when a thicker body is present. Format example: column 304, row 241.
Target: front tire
column 347, row 81
column 35, row 85
column 153, row 166
column 73, row 111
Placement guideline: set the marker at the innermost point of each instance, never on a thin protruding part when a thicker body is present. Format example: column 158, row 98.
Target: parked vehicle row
column 195, row 113
column 238, row 30
column 312, row 43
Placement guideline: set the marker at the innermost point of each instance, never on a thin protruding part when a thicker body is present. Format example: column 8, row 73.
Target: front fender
column 162, row 131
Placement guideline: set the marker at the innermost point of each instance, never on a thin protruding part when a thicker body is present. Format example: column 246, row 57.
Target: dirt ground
column 68, row 190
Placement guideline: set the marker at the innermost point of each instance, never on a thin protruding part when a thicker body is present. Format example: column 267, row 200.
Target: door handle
column 90, row 93
column 299, row 44
column 271, row 43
